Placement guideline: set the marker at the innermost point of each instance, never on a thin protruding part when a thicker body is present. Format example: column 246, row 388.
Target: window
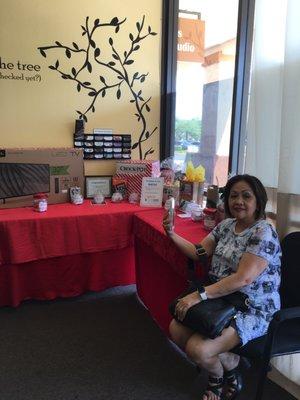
column 205, row 118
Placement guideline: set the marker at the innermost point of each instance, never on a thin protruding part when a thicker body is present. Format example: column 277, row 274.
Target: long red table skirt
column 66, row 276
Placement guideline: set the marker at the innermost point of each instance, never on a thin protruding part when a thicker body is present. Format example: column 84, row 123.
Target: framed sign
column 97, row 184
column 152, row 192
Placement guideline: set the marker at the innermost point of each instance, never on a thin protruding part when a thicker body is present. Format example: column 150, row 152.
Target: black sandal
column 215, row 385
column 234, row 383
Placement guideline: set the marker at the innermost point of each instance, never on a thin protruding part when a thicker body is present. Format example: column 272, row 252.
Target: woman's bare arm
column 249, row 268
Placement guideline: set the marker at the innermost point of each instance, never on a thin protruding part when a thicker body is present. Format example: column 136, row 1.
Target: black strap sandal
column 215, row 385
column 234, row 383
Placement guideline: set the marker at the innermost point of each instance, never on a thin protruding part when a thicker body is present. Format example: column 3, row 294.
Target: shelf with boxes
column 98, row 146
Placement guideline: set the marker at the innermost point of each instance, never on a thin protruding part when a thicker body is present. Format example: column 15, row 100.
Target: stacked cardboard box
column 24, row 172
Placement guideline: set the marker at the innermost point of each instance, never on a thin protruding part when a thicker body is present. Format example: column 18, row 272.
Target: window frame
column 240, row 85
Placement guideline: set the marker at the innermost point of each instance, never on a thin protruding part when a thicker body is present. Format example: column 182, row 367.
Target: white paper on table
column 184, row 215
column 152, row 192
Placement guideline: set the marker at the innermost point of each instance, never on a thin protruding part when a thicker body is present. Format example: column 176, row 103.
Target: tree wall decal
column 124, row 78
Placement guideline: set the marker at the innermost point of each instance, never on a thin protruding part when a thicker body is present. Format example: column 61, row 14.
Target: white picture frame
column 98, row 184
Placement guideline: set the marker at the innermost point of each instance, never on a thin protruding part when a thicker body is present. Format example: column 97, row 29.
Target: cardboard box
column 134, row 171
column 24, row 172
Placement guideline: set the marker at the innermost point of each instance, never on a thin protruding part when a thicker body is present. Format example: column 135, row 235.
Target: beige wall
column 39, row 109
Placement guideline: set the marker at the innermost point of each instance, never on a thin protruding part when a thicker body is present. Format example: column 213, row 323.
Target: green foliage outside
column 188, row 129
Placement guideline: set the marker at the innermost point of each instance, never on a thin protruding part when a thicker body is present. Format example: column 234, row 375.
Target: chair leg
column 262, row 378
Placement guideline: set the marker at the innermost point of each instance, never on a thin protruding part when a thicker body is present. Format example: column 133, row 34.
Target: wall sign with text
column 190, row 45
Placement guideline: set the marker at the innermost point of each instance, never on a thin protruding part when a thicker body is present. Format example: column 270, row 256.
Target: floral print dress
column 261, row 240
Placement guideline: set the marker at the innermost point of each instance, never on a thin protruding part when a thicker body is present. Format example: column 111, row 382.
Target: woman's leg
column 180, row 334
column 232, row 375
column 229, row 360
column 205, row 352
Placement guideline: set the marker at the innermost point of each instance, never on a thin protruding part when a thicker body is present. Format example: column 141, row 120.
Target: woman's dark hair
column 257, row 188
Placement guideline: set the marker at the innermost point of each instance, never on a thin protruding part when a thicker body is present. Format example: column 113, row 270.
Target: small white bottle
column 170, row 212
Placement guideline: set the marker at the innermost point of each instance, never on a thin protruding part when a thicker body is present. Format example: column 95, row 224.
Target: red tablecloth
column 148, row 227
column 65, row 251
column 65, row 229
column 66, row 276
column 161, row 269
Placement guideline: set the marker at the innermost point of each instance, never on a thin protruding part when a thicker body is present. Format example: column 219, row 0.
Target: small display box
column 103, row 146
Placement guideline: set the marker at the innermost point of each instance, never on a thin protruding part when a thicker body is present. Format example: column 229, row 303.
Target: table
column 161, row 269
column 65, row 251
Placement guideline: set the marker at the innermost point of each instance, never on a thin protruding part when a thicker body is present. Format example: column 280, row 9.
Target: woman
column 245, row 257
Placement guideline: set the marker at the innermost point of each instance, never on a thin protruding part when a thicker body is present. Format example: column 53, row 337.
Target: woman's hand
column 168, row 224
column 185, row 303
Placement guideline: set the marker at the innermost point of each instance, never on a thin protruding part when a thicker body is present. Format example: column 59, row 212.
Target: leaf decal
column 118, row 94
column 93, row 44
column 73, row 70
column 58, row 44
column 147, row 134
column 147, row 108
column 103, row 93
column 114, row 21
column 136, row 47
column 75, row 45
column 115, row 56
column 138, row 26
column 78, row 87
column 57, row 64
column 131, row 36
column 128, row 62
column 51, row 67
column 117, row 29
column 102, row 79
column 111, row 42
column 43, row 53
column 135, row 75
column 92, row 94
column 97, row 52
column 87, row 83
column 89, row 66
column 96, row 23
column 68, row 53
column 111, row 63
column 135, row 145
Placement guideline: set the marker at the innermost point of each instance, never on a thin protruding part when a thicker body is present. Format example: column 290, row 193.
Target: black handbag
column 211, row 316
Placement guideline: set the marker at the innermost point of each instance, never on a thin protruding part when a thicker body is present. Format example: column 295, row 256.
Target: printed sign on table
column 152, row 192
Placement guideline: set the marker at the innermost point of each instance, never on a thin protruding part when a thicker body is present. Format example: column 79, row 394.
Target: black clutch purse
column 211, row 316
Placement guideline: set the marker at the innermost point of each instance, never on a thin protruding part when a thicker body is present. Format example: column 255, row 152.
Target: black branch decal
column 120, row 65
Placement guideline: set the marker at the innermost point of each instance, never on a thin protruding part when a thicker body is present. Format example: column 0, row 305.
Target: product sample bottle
column 40, row 202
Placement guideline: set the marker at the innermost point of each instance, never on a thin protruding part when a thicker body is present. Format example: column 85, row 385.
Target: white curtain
column 272, row 147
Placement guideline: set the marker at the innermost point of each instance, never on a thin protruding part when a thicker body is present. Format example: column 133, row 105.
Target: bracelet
column 201, row 252
column 202, row 293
